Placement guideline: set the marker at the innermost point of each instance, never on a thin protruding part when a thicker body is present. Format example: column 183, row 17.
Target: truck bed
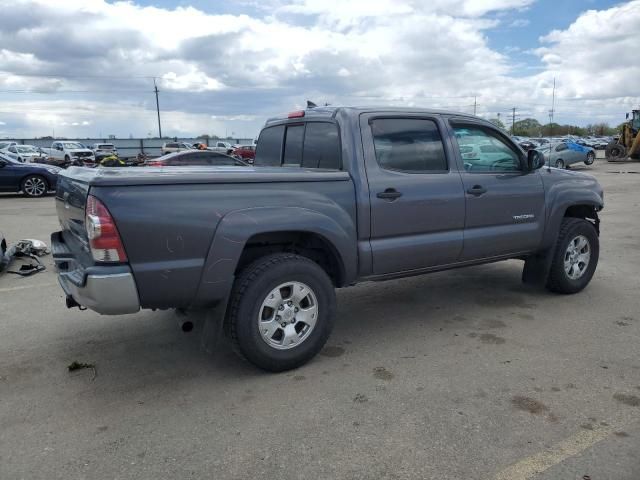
column 168, row 217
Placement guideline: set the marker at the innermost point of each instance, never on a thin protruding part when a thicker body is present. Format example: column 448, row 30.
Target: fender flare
column 237, row 227
column 537, row 267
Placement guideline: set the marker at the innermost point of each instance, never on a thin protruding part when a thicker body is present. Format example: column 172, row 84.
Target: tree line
column 530, row 127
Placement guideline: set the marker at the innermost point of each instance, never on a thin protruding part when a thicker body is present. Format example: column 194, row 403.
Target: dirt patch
column 299, row 378
column 620, row 323
column 493, row 323
column 555, row 389
column 528, row 404
column 630, row 400
column 382, row 373
column 491, row 339
column 360, row 398
column 586, row 426
column 332, row 351
column 621, row 434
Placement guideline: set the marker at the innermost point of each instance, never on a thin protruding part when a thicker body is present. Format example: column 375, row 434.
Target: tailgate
column 71, row 197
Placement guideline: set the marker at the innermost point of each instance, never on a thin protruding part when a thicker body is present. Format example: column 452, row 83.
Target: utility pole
column 155, row 88
column 513, row 121
column 475, row 104
column 553, row 107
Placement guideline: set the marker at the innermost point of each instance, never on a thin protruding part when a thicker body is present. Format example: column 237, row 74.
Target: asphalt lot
column 457, row 375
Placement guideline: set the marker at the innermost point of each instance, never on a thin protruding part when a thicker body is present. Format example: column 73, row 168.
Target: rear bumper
column 108, row 290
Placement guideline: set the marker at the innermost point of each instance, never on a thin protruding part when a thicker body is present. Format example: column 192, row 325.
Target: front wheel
column 34, row 186
column 575, row 258
column 559, row 163
column 281, row 311
column 591, row 157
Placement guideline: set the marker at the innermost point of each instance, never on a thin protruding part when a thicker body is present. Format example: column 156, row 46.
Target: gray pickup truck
column 336, row 196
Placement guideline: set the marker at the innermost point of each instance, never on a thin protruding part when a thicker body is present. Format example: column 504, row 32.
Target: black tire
column 615, row 152
column 34, row 186
column 560, row 163
column 591, row 157
column 249, row 292
column 559, row 280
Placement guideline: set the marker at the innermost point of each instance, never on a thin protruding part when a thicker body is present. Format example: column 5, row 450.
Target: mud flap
column 536, row 268
column 212, row 329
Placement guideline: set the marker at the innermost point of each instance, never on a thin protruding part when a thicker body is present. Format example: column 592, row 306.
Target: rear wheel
column 34, row 186
column 559, row 163
column 575, row 258
column 591, row 157
column 281, row 311
column 615, row 152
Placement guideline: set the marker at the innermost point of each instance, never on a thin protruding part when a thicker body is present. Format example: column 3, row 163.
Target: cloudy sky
column 86, row 67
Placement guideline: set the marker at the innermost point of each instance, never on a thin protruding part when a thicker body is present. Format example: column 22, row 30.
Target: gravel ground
column 457, row 375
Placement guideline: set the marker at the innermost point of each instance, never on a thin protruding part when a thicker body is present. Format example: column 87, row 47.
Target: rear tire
column 575, row 258
column 560, row 163
column 278, row 338
column 34, row 186
column 591, row 157
column 615, row 152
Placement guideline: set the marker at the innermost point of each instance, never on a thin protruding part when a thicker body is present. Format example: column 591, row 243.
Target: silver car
column 563, row 154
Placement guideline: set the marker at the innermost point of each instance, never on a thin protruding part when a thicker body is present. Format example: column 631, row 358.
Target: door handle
column 389, row 194
column 477, row 190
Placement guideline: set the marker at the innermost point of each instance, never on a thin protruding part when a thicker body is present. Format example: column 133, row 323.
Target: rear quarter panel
column 183, row 241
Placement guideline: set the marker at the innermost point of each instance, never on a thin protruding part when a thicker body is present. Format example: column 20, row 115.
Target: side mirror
column 627, row 116
column 535, row 160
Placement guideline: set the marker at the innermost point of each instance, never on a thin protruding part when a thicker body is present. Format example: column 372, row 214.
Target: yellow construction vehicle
column 628, row 145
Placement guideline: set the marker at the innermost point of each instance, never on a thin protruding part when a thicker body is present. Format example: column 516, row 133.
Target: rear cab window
column 312, row 144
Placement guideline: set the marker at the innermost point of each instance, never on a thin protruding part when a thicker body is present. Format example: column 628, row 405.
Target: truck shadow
column 143, row 358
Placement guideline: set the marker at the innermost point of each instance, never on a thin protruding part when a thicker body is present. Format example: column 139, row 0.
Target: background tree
column 497, row 122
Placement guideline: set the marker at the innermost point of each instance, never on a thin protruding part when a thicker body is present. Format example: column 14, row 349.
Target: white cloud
column 519, row 23
column 231, row 71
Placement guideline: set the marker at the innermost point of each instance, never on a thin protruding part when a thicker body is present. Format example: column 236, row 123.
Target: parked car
column 221, row 147
column 171, row 147
column 70, row 153
column 337, row 196
column 102, row 150
column 31, row 179
column 23, row 153
column 245, row 152
column 195, row 157
column 566, row 153
column 4, row 145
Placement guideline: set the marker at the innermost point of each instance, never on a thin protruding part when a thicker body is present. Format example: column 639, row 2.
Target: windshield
column 8, row 159
column 71, row 145
column 26, row 149
column 4, row 145
column 105, row 146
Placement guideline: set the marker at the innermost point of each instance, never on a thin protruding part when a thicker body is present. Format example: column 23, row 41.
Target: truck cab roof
column 333, row 111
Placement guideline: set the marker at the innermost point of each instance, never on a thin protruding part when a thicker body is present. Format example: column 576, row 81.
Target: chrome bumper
column 109, row 289
column 106, row 294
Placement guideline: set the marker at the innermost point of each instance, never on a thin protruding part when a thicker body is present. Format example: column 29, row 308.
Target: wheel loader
column 628, row 145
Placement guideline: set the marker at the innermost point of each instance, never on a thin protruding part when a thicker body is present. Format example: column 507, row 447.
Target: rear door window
column 268, row 151
column 321, row 146
column 411, row 145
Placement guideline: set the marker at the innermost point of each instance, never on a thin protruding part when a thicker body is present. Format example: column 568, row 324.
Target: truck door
column 505, row 211
column 416, row 195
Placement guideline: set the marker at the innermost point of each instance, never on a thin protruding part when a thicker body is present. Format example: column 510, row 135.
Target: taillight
column 104, row 239
column 154, row 163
